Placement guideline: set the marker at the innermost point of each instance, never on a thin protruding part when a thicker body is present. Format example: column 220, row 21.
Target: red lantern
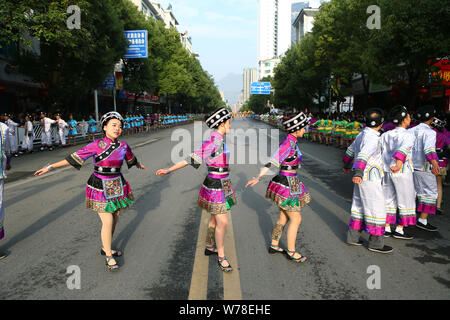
column 423, row 90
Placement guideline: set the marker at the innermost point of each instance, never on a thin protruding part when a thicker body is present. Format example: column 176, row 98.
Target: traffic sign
column 260, row 88
column 138, row 48
column 110, row 82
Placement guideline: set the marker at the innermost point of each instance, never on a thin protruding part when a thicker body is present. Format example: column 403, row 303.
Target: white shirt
column 29, row 126
column 397, row 140
column 425, row 144
column 367, row 149
column 4, row 149
column 61, row 125
column 47, row 122
column 12, row 127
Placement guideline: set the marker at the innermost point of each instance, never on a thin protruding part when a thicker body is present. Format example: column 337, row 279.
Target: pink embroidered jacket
column 108, row 156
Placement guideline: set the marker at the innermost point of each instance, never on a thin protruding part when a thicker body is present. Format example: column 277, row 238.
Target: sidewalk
column 24, row 166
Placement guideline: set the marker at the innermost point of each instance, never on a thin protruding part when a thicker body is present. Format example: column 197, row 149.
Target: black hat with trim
column 398, row 114
column 438, row 123
column 425, row 113
column 110, row 115
column 296, row 123
column 215, row 119
column 373, row 121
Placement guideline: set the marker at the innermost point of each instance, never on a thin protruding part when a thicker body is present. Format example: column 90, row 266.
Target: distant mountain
column 232, row 86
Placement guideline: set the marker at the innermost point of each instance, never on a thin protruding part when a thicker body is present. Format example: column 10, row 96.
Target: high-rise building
column 274, row 29
column 304, row 23
column 250, row 75
column 297, row 7
column 148, row 9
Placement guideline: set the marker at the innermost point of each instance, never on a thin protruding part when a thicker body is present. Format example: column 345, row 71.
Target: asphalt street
column 48, row 229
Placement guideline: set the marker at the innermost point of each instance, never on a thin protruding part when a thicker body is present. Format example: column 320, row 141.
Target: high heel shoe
column 224, row 269
column 210, row 250
column 110, row 267
column 291, row 257
column 273, row 250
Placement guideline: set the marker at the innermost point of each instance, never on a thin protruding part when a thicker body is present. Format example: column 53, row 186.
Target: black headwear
column 110, row 115
column 218, row 117
column 374, row 121
column 296, row 123
column 438, row 124
column 425, row 113
column 398, row 114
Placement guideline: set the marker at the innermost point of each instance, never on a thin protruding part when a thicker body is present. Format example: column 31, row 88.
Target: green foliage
column 342, row 46
column 74, row 62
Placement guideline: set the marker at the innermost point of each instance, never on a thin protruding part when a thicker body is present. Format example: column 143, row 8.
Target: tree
column 412, row 33
column 70, row 62
column 301, row 77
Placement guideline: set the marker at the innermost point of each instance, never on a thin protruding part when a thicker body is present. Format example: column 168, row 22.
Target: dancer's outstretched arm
column 60, row 164
column 255, row 181
column 179, row 165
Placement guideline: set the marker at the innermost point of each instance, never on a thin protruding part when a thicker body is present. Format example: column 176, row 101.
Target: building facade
column 304, row 23
column 148, row 9
column 274, row 30
column 297, row 7
column 267, row 67
column 154, row 10
column 250, row 75
column 186, row 41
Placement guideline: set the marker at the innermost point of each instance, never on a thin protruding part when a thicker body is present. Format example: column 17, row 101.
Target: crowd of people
column 400, row 157
column 398, row 170
column 53, row 131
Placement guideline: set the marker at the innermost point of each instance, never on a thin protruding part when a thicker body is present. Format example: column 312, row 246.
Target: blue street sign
column 138, row 48
column 260, row 88
column 110, row 82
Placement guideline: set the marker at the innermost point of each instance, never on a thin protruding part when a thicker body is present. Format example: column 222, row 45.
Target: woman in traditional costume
column 107, row 192
column 285, row 189
column 217, row 194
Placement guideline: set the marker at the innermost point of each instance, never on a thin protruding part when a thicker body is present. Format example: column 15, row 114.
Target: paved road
column 48, row 229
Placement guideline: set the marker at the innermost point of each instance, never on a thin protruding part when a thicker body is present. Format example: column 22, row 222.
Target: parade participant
column 368, row 207
column 12, row 126
column 62, row 125
column 107, row 192
column 29, row 135
column 5, row 165
column 73, row 129
column 442, row 150
column 348, row 133
column 155, row 121
column 217, row 194
column 320, row 128
column 92, row 130
column 46, row 135
column 356, row 130
column 313, row 128
column 327, row 131
column 398, row 180
column 286, row 190
column 127, row 124
column 148, row 123
column 342, row 126
column 424, row 156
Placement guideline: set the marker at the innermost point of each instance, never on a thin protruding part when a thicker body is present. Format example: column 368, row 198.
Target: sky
column 224, row 32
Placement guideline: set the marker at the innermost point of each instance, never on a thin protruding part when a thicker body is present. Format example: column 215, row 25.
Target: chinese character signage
column 138, row 48
column 260, row 88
